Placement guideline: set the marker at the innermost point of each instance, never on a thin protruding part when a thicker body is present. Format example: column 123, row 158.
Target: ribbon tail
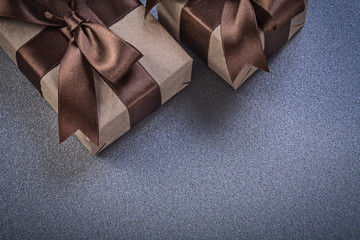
column 241, row 37
column 77, row 96
column 149, row 5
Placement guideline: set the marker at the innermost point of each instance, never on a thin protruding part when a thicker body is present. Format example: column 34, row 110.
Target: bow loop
column 111, row 56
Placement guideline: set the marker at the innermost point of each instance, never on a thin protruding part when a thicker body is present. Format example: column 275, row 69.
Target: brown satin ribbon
column 240, row 21
column 84, row 42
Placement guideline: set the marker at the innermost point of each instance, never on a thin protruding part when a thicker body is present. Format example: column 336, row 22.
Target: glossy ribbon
column 240, row 22
column 90, row 45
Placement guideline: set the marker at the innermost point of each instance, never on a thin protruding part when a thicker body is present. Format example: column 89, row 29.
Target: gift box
column 234, row 37
column 100, row 64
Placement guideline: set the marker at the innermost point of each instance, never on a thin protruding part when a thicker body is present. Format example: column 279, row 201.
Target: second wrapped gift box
column 235, row 37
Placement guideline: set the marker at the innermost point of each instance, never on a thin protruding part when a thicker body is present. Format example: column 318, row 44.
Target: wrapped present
column 234, row 37
column 100, row 64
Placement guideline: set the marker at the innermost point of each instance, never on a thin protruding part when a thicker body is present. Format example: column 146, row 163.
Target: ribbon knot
column 73, row 21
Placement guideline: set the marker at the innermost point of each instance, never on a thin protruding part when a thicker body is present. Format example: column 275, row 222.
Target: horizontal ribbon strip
column 83, row 43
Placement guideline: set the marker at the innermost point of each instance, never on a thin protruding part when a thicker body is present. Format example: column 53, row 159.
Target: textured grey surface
column 276, row 159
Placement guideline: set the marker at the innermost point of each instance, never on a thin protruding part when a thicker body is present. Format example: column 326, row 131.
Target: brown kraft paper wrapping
column 170, row 11
column 167, row 63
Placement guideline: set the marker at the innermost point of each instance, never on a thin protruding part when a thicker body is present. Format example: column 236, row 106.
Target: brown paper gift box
column 163, row 58
column 169, row 13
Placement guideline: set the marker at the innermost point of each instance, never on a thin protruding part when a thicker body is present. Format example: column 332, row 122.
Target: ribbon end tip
column 265, row 68
column 62, row 139
column 147, row 11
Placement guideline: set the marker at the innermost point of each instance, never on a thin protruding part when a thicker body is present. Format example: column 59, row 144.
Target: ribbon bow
column 240, row 28
column 91, row 46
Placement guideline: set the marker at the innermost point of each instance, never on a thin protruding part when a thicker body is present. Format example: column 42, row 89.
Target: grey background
column 276, row 159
